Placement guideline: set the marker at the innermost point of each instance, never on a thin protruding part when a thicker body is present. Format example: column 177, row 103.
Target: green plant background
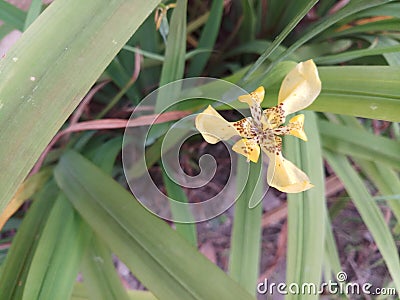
column 81, row 214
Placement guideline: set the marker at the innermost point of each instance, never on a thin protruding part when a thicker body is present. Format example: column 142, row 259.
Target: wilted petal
column 213, row 127
column 254, row 100
column 248, row 148
column 300, row 87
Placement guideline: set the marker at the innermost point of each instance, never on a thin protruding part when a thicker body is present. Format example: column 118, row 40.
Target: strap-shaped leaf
column 50, row 69
column 162, row 260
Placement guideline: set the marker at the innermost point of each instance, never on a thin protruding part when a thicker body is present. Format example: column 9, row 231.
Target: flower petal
column 213, row 127
column 254, row 100
column 296, row 126
column 248, row 148
column 300, row 87
column 283, row 174
column 245, row 127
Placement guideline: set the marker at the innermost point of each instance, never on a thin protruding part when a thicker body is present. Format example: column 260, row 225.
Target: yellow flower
column 263, row 130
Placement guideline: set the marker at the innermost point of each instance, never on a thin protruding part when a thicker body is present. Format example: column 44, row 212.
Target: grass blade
column 12, row 15
column 55, row 264
column 16, row 266
column 80, row 293
column 350, row 9
column 173, row 69
column 156, row 254
column 207, row 38
column 174, row 191
column 27, row 189
column 369, row 211
column 306, row 212
column 34, row 11
column 244, row 257
column 174, row 63
column 331, row 252
column 349, row 55
column 359, row 143
column 279, row 39
column 362, row 91
column 50, row 89
column 100, row 277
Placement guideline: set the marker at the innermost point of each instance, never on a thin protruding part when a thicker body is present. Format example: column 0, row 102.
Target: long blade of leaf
column 156, row 254
column 279, row 39
column 77, row 51
column 12, row 15
column 100, row 277
column 34, row 11
column 174, row 63
column 369, row 211
column 173, row 69
column 306, row 212
column 26, row 190
column 81, row 293
column 207, row 38
column 55, row 265
column 16, row 267
column 360, row 143
column 351, row 8
column 244, row 260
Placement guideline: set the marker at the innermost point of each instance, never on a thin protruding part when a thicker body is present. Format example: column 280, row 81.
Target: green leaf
column 331, row 256
column 318, row 27
column 173, row 69
column 12, row 15
column 384, row 177
column 360, row 143
column 362, row 91
column 34, row 11
column 279, row 39
column 248, row 27
column 349, row 55
column 100, row 277
column 174, row 64
column 55, row 264
column 244, row 260
column 17, row 264
column 369, row 211
column 306, row 211
column 157, row 255
column 107, row 153
column 381, row 26
column 36, row 99
column 176, row 192
column 81, row 293
column 207, row 38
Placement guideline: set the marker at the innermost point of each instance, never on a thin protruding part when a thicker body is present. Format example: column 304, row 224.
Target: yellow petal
column 213, row 127
column 257, row 96
column 248, row 148
column 283, row 174
column 286, row 177
column 300, row 87
column 253, row 100
column 296, row 125
column 245, row 127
